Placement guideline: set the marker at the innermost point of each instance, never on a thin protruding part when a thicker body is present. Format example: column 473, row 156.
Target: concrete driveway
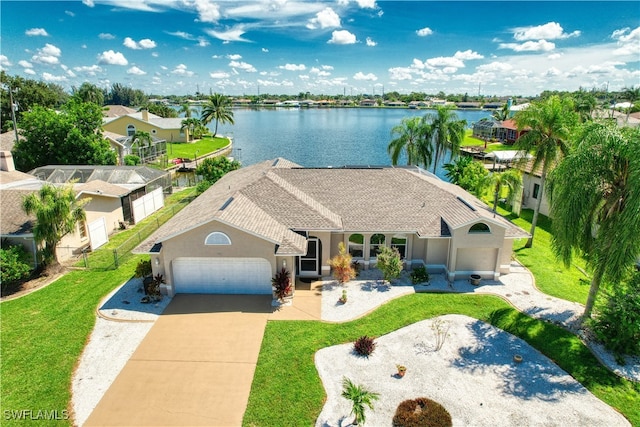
column 194, row 367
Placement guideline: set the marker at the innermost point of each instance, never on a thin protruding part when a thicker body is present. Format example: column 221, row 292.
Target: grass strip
column 287, row 390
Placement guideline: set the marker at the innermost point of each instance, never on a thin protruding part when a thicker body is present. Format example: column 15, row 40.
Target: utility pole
column 14, row 108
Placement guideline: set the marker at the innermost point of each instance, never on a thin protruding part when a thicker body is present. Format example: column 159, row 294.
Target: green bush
column 419, row 275
column 143, row 268
column 421, row 412
column 131, row 160
column 617, row 324
column 15, row 264
column 389, row 262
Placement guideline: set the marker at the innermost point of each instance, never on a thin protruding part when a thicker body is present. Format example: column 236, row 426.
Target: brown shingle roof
column 271, row 198
column 13, row 220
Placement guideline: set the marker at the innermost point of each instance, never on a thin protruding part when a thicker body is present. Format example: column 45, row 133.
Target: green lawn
column 43, row 335
column 471, row 141
column 203, row 146
column 287, row 391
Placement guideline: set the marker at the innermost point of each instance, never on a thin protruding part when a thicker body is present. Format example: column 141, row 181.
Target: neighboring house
column 169, row 129
column 467, row 105
column 275, row 214
column 144, row 186
column 368, row 103
column 531, row 189
column 117, row 111
column 114, row 140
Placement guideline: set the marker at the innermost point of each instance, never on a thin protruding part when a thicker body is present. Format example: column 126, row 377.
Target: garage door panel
column 476, row 259
column 222, row 275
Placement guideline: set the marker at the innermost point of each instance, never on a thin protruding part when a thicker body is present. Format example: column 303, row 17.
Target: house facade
column 276, row 214
column 167, row 129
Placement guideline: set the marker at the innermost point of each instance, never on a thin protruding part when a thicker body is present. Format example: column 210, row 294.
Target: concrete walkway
column 194, row 367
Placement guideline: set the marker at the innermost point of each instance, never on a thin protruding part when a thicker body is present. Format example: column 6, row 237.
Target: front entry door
column 309, row 265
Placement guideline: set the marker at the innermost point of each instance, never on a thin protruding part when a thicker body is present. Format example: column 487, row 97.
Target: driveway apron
column 194, row 367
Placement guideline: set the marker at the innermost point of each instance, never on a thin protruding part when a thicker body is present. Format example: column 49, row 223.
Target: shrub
column 359, row 397
column 342, row 265
column 364, row 346
column 421, row 412
column 389, row 262
column 281, row 283
column 618, row 322
column 15, row 264
column 143, row 269
column 419, row 275
column 131, row 160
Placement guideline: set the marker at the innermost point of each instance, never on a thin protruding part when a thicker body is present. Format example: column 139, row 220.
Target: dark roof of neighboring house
column 272, row 198
column 127, row 176
column 13, row 220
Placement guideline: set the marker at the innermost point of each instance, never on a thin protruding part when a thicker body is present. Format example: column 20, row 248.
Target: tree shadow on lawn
column 536, row 377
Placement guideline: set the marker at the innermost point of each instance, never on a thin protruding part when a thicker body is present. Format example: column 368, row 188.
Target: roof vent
column 467, row 204
column 227, row 203
column 275, row 162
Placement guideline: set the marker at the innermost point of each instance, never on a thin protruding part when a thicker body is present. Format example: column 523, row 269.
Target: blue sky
column 344, row 46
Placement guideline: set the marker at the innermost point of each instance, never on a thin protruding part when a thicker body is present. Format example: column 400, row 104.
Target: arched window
column 376, row 241
column 399, row 241
column 217, row 238
column 131, row 129
column 356, row 245
column 480, row 227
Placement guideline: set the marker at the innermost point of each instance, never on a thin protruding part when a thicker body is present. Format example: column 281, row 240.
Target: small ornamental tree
column 389, row 263
column 212, row 169
column 360, row 397
column 342, row 265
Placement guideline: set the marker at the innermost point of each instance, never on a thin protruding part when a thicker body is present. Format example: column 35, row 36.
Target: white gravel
column 473, row 376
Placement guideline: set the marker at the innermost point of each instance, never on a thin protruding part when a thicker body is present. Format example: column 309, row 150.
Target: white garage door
column 476, row 259
column 222, row 275
column 98, row 233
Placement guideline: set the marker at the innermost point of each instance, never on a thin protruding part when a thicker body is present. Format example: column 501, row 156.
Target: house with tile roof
column 168, row 129
column 277, row 214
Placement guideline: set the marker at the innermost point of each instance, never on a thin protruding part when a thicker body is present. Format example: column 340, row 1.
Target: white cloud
column 49, row 54
column 202, row 42
column 530, row 46
column 320, row 72
column 495, row 66
column 25, row 64
column 293, row 67
column 231, row 35
column 88, row 3
column 548, row 31
column 555, row 56
column 367, row 4
column 234, row 57
column 48, row 77
column 326, row 18
column 370, row 42
column 90, row 70
column 71, row 14
column 401, row 73
column 628, row 42
column 467, row 55
column 4, row 61
column 552, row 72
column 361, row 76
column 36, row 32
column 29, row 71
column 110, row 57
column 265, row 50
column 342, row 37
column 242, row 66
column 426, row 31
column 444, row 61
column 219, row 75
column 208, row 11
column 142, row 44
column 106, row 36
column 182, row 35
column 136, row 71
column 181, row 70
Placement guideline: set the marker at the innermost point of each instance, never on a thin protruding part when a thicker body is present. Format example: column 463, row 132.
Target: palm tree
column 585, row 103
column 445, row 131
column 595, row 204
column 360, row 397
column 57, row 212
column 190, row 124
column 143, row 140
column 631, row 94
column 549, row 125
column 501, row 114
column 186, row 109
column 455, row 170
column 410, row 140
column 219, row 109
column 510, row 179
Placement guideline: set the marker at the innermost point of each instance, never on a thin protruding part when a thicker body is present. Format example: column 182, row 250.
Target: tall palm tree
column 595, row 204
column 218, row 108
column 455, row 170
column 186, row 109
column 57, row 212
column 445, row 131
column 510, row 179
column 360, row 397
column 585, row 103
column 143, row 140
column 410, row 140
column 501, row 114
column 549, row 124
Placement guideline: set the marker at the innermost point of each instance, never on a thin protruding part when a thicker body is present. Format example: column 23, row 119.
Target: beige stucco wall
column 191, row 244
column 108, row 207
column 120, row 124
column 528, row 182
column 487, row 249
column 437, row 252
